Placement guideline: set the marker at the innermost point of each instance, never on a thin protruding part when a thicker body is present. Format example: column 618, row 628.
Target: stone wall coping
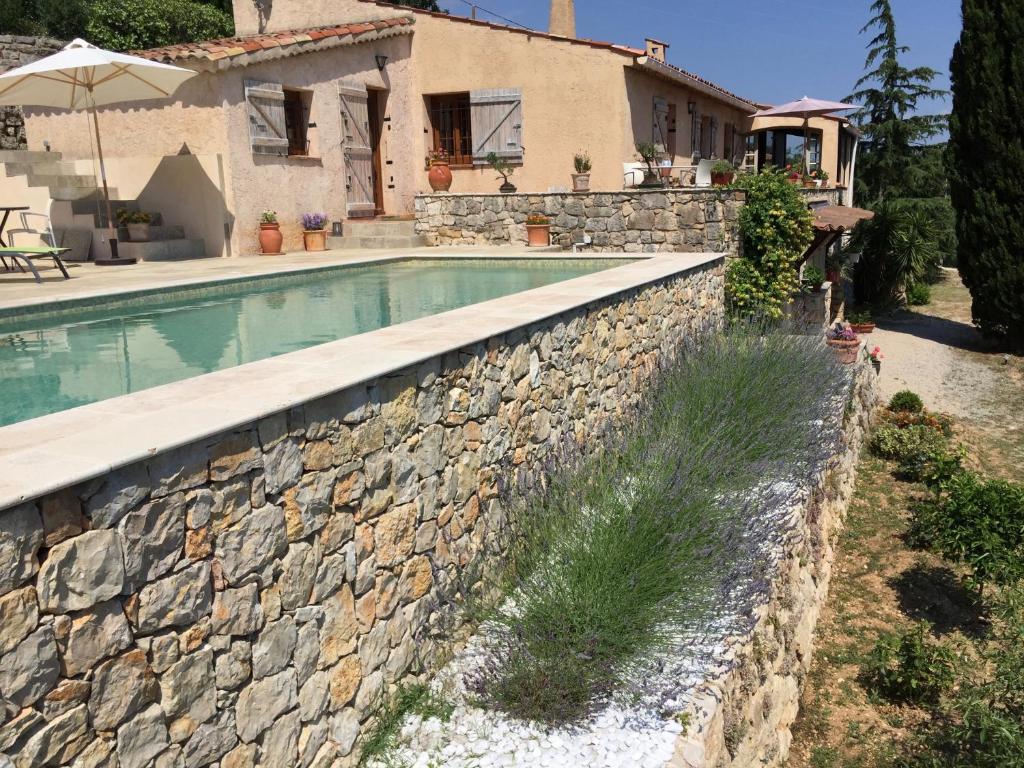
column 591, row 193
column 62, row 449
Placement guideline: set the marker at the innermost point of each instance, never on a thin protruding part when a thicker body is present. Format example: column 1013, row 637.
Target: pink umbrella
column 806, row 108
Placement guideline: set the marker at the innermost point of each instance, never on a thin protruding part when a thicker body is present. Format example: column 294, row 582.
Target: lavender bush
column 314, row 222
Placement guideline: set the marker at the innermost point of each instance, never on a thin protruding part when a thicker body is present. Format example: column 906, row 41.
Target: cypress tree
column 987, row 167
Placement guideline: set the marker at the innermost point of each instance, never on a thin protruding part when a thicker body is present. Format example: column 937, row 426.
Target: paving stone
column 21, row 534
column 122, row 490
column 19, row 615
column 252, row 544
column 30, row 671
column 152, row 539
column 237, row 611
column 177, row 600
column 273, row 649
column 81, row 572
column 262, row 702
column 91, row 636
column 142, row 738
column 120, row 688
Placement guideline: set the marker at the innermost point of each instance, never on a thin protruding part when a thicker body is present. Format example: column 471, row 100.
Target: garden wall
column 743, row 717
column 16, row 51
column 246, row 599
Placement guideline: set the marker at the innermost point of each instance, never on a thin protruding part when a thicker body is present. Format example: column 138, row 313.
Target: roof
column 839, row 218
column 694, row 81
column 232, row 51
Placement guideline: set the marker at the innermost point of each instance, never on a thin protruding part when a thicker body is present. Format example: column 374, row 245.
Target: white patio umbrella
column 82, row 76
column 806, row 108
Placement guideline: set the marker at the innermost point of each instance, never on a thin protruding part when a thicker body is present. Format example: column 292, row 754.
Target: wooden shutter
column 496, row 123
column 713, row 144
column 355, row 139
column 661, row 124
column 265, row 104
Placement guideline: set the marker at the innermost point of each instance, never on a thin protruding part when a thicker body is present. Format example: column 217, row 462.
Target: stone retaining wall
column 16, row 51
column 694, row 220
column 247, row 599
column 743, row 718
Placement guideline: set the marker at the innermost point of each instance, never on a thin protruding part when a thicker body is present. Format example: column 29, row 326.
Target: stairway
column 47, row 169
column 167, row 242
column 378, row 233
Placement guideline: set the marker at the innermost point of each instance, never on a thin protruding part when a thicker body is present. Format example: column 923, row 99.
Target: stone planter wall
column 16, row 51
column 246, row 600
column 743, row 717
column 693, row 220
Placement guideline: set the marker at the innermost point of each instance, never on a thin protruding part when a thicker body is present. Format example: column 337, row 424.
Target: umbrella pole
column 112, row 231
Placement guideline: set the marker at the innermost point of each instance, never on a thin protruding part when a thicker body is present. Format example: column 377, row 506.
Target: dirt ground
column 879, row 583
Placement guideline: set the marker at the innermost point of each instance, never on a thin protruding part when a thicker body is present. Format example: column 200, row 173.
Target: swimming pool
column 84, row 355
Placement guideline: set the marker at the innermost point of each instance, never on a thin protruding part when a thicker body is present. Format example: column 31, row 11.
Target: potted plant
column 844, row 343
column 581, row 179
column 504, row 168
column 648, row 153
column 270, row 233
column 722, row 173
column 439, row 172
column 876, row 356
column 314, row 231
column 813, row 277
column 861, row 321
column 821, row 176
column 136, row 222
column 538, row 231
column 794, row 174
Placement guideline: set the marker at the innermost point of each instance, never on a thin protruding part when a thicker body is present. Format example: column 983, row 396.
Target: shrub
column 941, row 422
column 776, row 228
column 918, row 294
column 909, row 667
column 581, row 162
column 124, row 25
column 620, row 552
column 906, row 401
column 933, row 464
column 813, row 275
column 905, row 443
column 899, row 247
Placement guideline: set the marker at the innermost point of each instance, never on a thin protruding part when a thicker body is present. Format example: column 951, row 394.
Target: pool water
column 85, row 356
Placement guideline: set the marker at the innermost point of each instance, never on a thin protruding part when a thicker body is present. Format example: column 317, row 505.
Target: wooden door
column 358, row 149
column 373, row 106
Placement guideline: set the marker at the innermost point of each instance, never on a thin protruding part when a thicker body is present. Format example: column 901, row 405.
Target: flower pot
column 440, row 176
column 581, row 182
column 538, row 235
column 507, row 188
column 722, row 179
column 138, row 233
column 833, row 276
column 794, row 180
column 315, row 239
column 845, row 351
column 271, row 238
column 860, row 328
column 813, row 287
column 809, row 184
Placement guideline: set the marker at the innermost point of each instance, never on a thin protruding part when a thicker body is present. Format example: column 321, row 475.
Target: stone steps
column 176, row 249
column 357, row 242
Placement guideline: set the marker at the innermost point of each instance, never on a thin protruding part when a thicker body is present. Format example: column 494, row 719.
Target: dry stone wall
column 693, row 220
column 16, row 51
column 247, row 600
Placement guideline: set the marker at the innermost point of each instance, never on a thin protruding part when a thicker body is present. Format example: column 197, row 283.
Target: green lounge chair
column 22, row 256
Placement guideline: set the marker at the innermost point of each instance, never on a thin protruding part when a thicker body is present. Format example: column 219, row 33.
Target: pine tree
column 987, row 173
column 890, row 94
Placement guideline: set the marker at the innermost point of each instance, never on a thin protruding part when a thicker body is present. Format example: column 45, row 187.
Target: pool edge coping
column 63, row 449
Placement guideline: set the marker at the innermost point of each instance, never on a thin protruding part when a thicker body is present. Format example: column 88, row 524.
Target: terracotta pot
column 794, row 180
column 860, row 328
column 845, row 351
column 833, row 276
column 581, row 182
column 315, row 239
column 538, row 235
column 138, row 233
column 440, row 176
column 810, row 185
column 722, row 179
column 271, row 238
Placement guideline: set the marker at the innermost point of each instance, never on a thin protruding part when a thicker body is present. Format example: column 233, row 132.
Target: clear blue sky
column 766, row 50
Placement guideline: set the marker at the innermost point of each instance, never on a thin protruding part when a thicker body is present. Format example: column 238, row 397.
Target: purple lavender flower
column 314, row 222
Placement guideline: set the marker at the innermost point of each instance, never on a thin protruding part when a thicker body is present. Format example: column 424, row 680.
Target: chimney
column 563, row 18
column 656, row 49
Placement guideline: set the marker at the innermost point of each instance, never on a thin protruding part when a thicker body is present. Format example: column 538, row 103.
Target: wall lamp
column 691, row 106
column 382, row 61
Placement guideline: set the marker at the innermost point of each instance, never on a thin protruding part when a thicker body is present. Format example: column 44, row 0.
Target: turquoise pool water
column 82, row 356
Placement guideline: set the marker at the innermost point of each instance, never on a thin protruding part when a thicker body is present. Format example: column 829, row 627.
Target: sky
column 769, row 51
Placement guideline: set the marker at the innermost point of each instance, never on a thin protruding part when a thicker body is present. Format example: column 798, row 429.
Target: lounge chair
column 23, row 255
column 704, row 173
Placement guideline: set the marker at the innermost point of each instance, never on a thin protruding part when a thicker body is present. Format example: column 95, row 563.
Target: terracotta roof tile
column 231, row 47
column 839, row 218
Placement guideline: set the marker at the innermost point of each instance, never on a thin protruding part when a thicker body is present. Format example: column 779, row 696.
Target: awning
column 839, row 218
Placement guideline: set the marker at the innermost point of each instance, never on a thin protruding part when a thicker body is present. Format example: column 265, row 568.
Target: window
column 451, row 125
column 296, row 122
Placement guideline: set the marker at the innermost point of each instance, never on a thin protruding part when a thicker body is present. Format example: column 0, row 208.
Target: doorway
column 374, row 108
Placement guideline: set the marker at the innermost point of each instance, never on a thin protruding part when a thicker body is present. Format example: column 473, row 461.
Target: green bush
column 905, row 443
column 124, row 25
column 979, row 523
column 906, row 401
column 776, row 229
column 934, row 464
column 898, row 247
column 909, row 667
column 919, row 294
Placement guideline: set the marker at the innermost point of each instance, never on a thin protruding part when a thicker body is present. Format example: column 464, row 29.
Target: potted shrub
column 821, row 175
column 538, row 231
column 314, row 231
column 439, row 172
column 813, row 277
column 581, row 179
column 876, row 359
column 794, row 174
column 648, row 153
column 136, row 222
column 861, row 321
column 844, row 343
column 722, row 173
column 504, row 168
column 270, row 233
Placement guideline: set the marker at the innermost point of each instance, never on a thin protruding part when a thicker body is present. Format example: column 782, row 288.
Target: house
column 333, row 105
